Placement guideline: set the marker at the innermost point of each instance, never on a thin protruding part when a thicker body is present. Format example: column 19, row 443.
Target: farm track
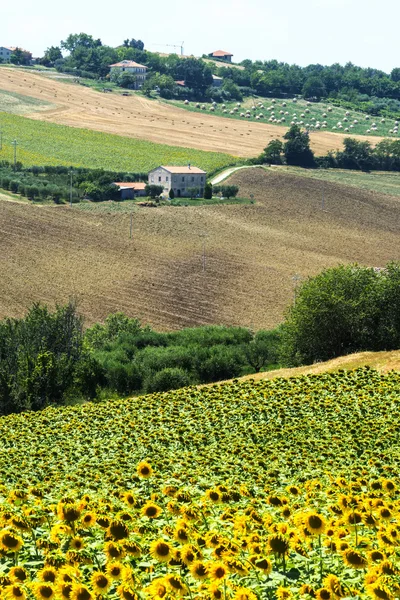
column 138, row 117
column 252, row 252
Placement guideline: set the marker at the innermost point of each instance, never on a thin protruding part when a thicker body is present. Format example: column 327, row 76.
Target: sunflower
column 101, row 583
column 68, row 512
column 236, row 566
column 307, row 590
column 214, row 592
column 315, row 523
column 18, row 575
column 118, row 530
column 176, row 585
column 214, row 496
column 323, row 594
column 64, row 590
column 132, row 548
column 80, row 592
column 125, row 592
column 48, row 574
column 151, row 510
column 199, row 570
column 189, row 554
column 332, row 583
column 43, row 591
column 76, row 543
column 114, row 551
column 161, row 550
column 115, row 570
column 283, row 593
column 218, row 571
column 379, row 591
column 88, row 519
column 144, row 470
column 14, row 592
column 353, row 558
column 243, row 593
column 10, row 541
column 263, row 563
column 157, row 588
column 278, row 544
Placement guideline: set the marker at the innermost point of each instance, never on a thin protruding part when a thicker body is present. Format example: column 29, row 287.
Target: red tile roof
column 221, row 53
column 184, row 170
column 128, row 63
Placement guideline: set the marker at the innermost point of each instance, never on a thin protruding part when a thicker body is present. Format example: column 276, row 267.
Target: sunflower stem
column 320, row 559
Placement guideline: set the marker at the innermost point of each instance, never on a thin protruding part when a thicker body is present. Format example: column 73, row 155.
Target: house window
column 159, row 179
column 202, row 179
column 166, row 179
column 123, row 68
column 192, row 178
column 183, row 179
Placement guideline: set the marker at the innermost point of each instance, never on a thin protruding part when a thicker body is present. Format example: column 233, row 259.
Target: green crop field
column 265, row 490
column 314, row 116
column 381, row 182
column 42, row 143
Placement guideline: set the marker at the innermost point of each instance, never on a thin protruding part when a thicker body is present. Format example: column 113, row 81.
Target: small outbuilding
column 130, row 190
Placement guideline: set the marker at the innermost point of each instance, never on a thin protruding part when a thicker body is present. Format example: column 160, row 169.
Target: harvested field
column 137, row 117
column 252, row 252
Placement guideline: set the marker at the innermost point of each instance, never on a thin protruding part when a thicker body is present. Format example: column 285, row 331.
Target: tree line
column 356, row 154
column 48, row 358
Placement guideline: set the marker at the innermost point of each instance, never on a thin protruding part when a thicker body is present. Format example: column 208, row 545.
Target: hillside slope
column 138, row 117
column 252, row 252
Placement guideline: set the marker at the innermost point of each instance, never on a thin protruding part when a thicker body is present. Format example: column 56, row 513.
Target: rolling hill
column 137, row 117
column 252, row 252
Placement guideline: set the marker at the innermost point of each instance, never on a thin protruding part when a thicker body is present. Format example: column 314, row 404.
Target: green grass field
column 376, row 181
column 286, row 112
column 17, row 104
column 41, row 143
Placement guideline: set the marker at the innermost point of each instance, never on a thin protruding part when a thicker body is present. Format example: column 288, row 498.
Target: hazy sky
column 365, row 32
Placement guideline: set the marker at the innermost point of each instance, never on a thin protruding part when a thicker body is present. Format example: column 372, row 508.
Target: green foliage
column 273, row 153
column 42, row 357
column 227, row 191
column 297, row 149
column 154, row 191
column 171, row 194
column 344, row 309
column 166, row 379
column 208, row 191
column 314, row 87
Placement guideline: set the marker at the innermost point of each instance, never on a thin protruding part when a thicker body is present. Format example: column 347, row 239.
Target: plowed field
column 137, row 117
column 252, row 252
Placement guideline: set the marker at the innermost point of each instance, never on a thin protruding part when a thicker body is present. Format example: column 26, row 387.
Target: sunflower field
column 286, row 488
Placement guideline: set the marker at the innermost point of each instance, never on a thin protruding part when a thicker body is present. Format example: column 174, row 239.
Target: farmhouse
column 5, row 53
column 180, row 179
column 130, row 190
column 133, row 68
column 222, row 55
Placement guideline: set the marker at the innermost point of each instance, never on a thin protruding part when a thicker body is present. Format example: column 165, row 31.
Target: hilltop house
column 180, row 179
column 222, row 55
column 5, row 53
column 133, row 68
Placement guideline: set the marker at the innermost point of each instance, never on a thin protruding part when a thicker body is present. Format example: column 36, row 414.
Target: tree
column 335, row 313
column 356, row 155
column 153, row 190
column 20, row 57
column 297, row 148
column 192, row 192
column 124, row 80
column 208, row 191
column 76, row 40
column 137, row 44
column 395, row 74
column 262, row 350
column 273, row 152
column 50, row 56
column 314, row 88
column 229, row 191
column 171, row 194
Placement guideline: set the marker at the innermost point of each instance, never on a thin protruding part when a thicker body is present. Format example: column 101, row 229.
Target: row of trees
column 357, row 155
column 47, row 358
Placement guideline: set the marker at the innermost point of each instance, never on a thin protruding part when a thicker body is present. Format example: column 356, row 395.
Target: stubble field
column 138, row 117
column 251, row 252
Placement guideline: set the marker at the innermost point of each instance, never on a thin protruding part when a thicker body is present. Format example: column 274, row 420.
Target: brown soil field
column 136, row 116
column 252, row 252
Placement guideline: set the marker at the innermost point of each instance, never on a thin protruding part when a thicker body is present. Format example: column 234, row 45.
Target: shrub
column 14, row 185
column 171, row 194
column 167, row 379
column 208, row 191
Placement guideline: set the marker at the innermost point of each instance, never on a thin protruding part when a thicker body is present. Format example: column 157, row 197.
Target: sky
column 364, row 32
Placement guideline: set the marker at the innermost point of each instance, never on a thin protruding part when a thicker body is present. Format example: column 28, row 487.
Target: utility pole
column 70, row 186
column 15, row 143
